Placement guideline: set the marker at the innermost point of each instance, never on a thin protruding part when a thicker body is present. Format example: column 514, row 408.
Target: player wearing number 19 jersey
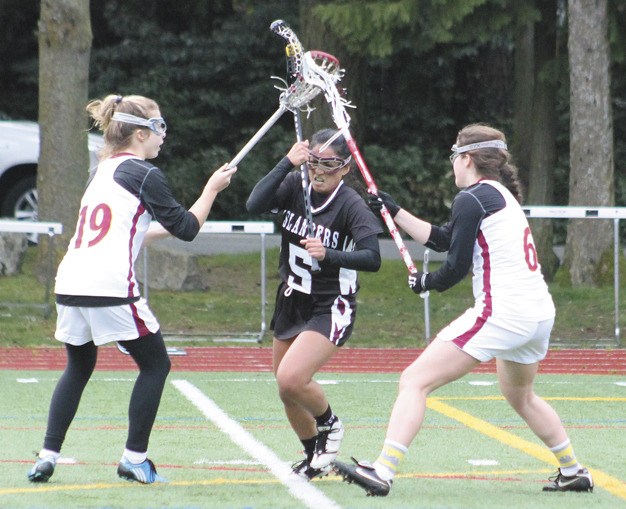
column 97, row 295
column 123, row 196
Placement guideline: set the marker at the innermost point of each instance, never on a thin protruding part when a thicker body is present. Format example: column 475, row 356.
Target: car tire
column 20, row 202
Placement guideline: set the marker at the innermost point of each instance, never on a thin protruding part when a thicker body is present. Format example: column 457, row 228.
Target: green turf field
column 223, row 442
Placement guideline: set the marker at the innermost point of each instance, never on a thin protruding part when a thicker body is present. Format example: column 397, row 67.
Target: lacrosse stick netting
column 320, row 78
column 294, row 96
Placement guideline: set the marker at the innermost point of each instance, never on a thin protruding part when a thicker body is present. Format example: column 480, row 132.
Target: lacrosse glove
column 376, row 202
column 417, row 281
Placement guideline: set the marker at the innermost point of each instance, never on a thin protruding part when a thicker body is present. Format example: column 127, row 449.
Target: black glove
column 376, row 202
column 417, row 281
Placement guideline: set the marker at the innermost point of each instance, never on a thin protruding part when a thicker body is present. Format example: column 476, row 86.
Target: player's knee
column 157, row 366
column 289, row 385
column 410, row 380
column 519, row 400
column 166, row 365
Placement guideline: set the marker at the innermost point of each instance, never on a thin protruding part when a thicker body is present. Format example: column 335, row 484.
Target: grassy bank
column 389, row 314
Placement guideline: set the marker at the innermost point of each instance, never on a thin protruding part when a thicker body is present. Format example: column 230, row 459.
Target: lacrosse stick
column 294, row 96
column 294, row 53
column 318, row 77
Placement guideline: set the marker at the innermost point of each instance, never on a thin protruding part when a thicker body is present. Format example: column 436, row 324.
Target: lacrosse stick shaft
column 315, row 266
column 371, row 187
column 294, row 53
column 258, row 135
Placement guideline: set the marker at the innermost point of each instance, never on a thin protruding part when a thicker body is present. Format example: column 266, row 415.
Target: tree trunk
column 543, row 146
column 591, row 138
column 64, row 51
column 524, row 71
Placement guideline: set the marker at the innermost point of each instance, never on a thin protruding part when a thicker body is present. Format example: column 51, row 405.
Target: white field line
column 300, row 489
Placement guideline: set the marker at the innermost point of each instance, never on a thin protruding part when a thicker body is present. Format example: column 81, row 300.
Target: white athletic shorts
column 525, row 342
column 78, row 325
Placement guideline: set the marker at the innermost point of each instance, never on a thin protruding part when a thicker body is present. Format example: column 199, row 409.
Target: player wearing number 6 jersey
column 315, row 310
column 97, row 294
column 510, row 321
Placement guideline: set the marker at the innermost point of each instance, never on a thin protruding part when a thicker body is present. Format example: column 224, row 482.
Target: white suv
column 19, row 153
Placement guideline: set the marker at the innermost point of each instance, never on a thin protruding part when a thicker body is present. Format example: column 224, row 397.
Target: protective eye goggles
column 156, row 124
column 457, row 151
column 327, row 165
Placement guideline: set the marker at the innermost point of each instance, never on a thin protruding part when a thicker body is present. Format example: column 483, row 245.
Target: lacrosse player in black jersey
column 97, row 294
column 315, row 310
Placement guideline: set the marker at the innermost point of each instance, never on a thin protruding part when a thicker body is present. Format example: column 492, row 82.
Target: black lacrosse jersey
column 341, row 220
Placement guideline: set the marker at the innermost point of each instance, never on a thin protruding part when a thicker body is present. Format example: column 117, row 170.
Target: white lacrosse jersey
column 489, row 232
column 507, row 275
column 121, row 199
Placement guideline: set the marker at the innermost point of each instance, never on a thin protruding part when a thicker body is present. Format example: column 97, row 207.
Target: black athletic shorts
column 330, row 315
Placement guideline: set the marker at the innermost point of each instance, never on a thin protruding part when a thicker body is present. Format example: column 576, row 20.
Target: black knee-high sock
column 154, row 364
column 81, row 361
column 326, row 418
column 309, row 447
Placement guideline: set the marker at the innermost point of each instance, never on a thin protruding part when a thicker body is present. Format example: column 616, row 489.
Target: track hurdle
column 567, row 212
column 576, row 212
column 47, row 228
column 260, row 228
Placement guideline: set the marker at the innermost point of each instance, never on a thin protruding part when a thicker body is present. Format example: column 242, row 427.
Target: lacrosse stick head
column 323, row 71
column 301, row 91
column 308, row 84
column 293, row 50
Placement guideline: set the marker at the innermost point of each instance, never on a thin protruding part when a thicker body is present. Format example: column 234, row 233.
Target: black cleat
column 42, row 470
column 580, row 481
column 363, row 475
column 304, row 471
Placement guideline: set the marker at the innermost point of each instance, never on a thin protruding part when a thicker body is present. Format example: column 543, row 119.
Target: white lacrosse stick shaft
column 258, row 135
column 295, row 54
column 304, row 177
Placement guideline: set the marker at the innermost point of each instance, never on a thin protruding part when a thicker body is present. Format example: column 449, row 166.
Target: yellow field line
column 48, row 488
column 556, row 398
column 43, row 488
column 484, row 473
column 601, row 479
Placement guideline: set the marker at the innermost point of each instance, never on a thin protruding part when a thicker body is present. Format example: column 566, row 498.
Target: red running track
column 347, row 360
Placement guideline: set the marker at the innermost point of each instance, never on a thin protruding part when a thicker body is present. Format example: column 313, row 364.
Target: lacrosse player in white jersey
column 97, row 294
column 315, row 310
column 511, row 319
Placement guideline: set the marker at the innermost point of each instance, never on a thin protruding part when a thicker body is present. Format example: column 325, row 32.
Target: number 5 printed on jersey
column 300, row 264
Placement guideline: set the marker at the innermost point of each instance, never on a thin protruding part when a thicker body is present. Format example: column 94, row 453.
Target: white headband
column 155, row 124
column 481, row 144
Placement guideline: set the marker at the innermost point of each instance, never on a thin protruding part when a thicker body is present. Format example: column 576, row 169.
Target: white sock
column 134, row 457
column 568, row 463
column 389, row 459
column 47, row 452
